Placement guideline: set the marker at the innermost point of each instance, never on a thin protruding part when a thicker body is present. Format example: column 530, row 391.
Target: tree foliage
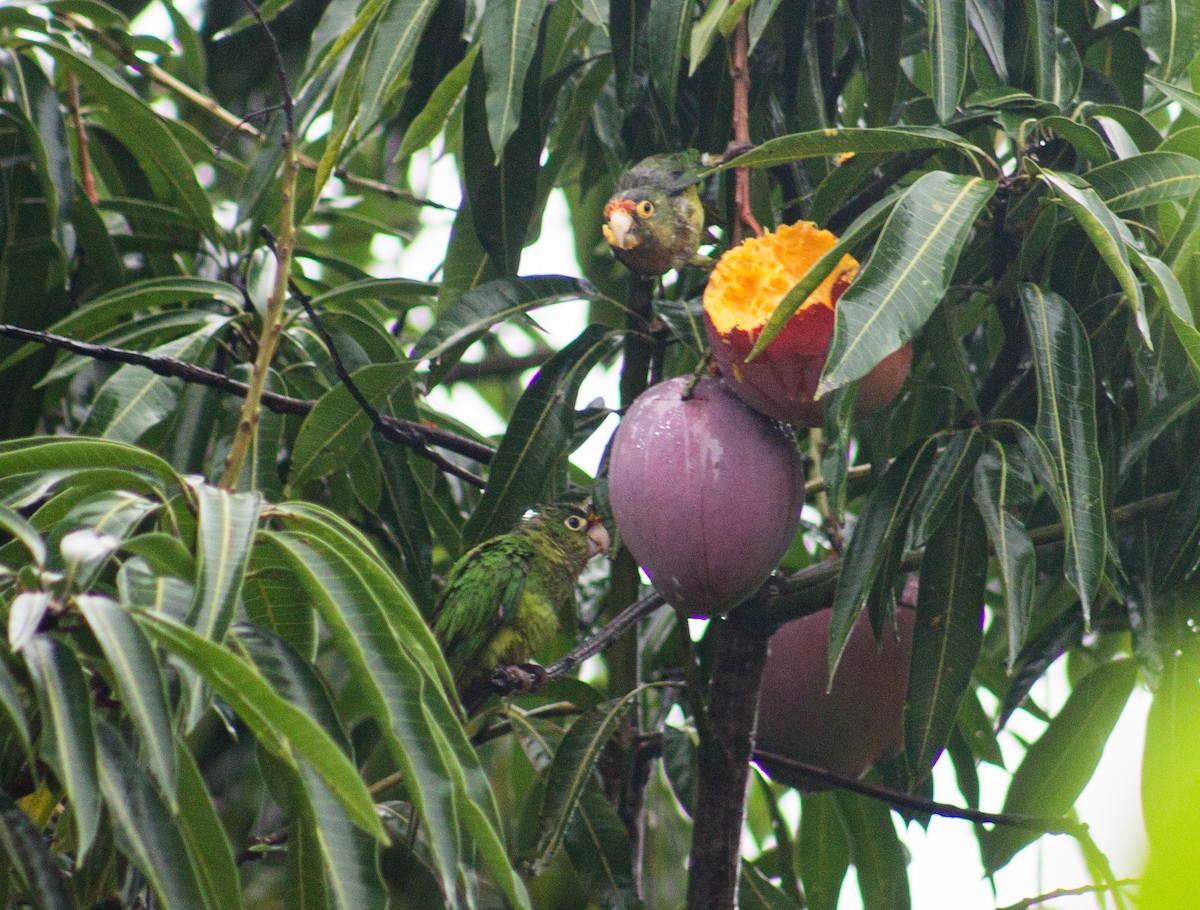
column 219, row 688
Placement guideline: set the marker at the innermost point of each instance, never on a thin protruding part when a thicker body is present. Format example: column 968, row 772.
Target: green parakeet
column 501, row 598
column 654, row 219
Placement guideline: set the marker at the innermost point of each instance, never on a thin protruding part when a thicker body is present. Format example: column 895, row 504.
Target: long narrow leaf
column 1066, row 425
column 67, row 715
column 28, row 853
column 509, row 40
column 948, row 51
column 279, row 725
column 906, row 276
column 947, row 635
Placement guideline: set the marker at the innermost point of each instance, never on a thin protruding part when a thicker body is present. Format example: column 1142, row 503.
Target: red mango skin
column 706, row 493
column 858, row 722
column 781, row 380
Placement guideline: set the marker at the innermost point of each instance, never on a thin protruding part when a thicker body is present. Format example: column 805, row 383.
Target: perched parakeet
column 501, row 598
column 654, row 219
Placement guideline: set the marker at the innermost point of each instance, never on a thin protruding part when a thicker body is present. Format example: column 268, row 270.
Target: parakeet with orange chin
column 501, row 598
column 655, row 220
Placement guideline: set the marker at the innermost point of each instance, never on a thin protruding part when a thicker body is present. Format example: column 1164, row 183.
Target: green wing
column 484, row 589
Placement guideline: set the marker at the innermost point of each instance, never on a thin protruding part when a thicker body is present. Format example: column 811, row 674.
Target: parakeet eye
column 575, row 523
column 645, row 208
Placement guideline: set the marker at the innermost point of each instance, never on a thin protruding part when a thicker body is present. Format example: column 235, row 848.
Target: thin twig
column 740, row 71
column 86, row 179
column 272, row 320
column 590, row 647
column 1098, row 888
column 376, row 418
column 239, row 124
column 416, row 436
column 901, row 800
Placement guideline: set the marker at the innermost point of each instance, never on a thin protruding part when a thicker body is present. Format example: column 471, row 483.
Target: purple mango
column 706, row 493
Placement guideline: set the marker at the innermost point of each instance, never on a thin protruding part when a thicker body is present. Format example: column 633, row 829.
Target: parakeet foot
column 520, row 679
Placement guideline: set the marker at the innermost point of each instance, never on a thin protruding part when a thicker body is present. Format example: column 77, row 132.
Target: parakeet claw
column 520, row 679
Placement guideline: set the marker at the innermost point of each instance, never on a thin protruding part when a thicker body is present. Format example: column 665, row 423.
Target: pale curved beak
column 619, row 230
column 597, row 537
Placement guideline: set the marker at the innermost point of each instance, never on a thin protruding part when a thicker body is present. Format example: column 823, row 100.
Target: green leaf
column 225, row 526
column 144, row 134
column 668, row 29
column 1171, row 32
column 538, row 434
column 1066, row 425
column 862, row 227
column 906, row 276
column 818, row 143
column 12, row 523
column 280, row 726
column 483, row 307
column 987, row 22
column 1146, row 179
column 404, row 681
column 1107, row 232
column 134, row 400
column 1010, row 541
column 350, row 857
column 509, row 34
column 573, row 767
column 207, row 843
column 10, row 704
column 397, row 27
column 402, row 290
column 947, row 635
column 67, row 725
column 1177, row 549
column 824, row 850
column 29, row 854
column 757, row 892
column 1058, row 766
column 152, row 840
column 1085, row 139
column 876, row 542
column 426, row 126
column 704, row 33
column 948, row 52
column 597, row 843
column 139, row 682
column 1043, row 37
column 880, row 861
column 885, row 31
column 337, row 427
column 951, row 467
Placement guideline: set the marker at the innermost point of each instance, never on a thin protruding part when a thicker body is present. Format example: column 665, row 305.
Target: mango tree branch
column 826, row 778
column 272, row 323
column 783, row 598
column 413, row 435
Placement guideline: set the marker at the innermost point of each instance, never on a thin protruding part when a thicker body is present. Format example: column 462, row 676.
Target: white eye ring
column 645, row 209
column 575, row 523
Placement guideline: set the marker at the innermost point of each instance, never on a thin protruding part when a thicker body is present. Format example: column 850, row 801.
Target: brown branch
column 510, row 679
column 723, row 764
column 739, row 69
column 826, row 778
column 272, row 320
column 408, row 433
column 86, row 178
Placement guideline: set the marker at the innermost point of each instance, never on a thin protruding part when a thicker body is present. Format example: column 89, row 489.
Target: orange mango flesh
column 749, row 281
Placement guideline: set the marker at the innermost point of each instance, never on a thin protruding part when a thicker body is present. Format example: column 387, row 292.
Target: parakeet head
column 654, row 219
column 576, row 528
